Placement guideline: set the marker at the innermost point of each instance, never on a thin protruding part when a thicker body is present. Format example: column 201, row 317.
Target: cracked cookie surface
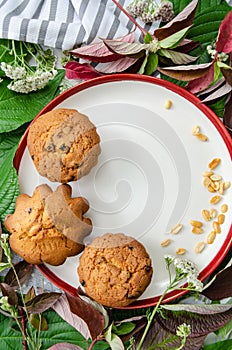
column 64, row 145
column 115, row 269
column 49, row 226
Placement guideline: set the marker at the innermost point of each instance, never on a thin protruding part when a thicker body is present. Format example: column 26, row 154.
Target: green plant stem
column 150, row 319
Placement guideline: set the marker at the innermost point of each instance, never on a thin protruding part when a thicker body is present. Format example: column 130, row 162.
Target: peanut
column 197, row 230
column 165, row 242
column 206, row 215
column 216, row 227
column 213, row 213
column 211, row 237
column 176, row 229
column 181, row 251
column 221, row 219
column 195, row 130
column 224, row 208
column 196, row 223
column 168, row 104
column 199, row 247
column 215, row 199
column 214, row 163
column 202, row 137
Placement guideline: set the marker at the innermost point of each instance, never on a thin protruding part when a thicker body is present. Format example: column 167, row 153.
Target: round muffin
column 63, row 144
column 49, row 226
column 115, row 269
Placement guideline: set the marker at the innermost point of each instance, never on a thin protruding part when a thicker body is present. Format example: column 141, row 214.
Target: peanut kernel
column 214, row 163
column 181, row 251
column 211, row 237
column 206, row 214
column 199, row 247
column 224, row 208
column 165, row 242
column 195, row 130
column 196, row 223
column 202, row 137
column 215, row 199
column 168, row 104
column 176, row 229
column 221, row 219
column 216, row 227
column 197, row 230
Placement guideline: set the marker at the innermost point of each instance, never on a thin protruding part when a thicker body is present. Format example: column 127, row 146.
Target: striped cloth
column 63, row 24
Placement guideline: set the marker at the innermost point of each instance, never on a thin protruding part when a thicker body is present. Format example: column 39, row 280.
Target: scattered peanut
column 206, row 215
column 202, row 137
column 213, row 213
column 216, row 227
column 165, row 242
column 224, row 208
column 215, row 199
column 214, row 163
column 168, row 104
column 221, row 188
column 197, row 230
column 221, row 219
column 211, row 237
column 181, row 251
column 199, row 247
column 196, row 223
column 227, row 185
column 176, row 229
column 195, row 130
column 207, row 173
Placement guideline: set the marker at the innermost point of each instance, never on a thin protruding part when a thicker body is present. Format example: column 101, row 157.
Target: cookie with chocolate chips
column 64, row 145
column 115, row 269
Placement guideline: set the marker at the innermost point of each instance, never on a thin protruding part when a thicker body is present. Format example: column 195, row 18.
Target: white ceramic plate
column 149, row 174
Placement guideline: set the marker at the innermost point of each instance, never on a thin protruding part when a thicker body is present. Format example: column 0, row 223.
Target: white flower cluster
column 149, row 10
column 188, row 270
column 221, row 56
column 25, row 81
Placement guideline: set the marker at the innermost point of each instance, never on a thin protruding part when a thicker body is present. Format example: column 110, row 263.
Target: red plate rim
column 216, row 261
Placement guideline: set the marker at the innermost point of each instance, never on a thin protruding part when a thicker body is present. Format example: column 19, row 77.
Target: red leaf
column 83, row 71
column 221, row 287
column 182, row 20
column 223, row 90
column 99, row 52
column 227, row 73
column 93, row 318
column 42, row 302
column 63, row 310
column 187, row 45
column 224, row 40
column 186, row 73
column 117, row 66
column 23, row 270
column 227, row 119
column 125, row 48
column 10, row 293
column 200, row 84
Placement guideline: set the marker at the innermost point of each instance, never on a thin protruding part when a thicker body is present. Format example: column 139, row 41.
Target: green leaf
column 151, row 64
column 9, row 187
column 147, row 38
column 222, row 345
column 173, row 40
column 17, row 109
column 219, row 107
column 124, row 328
column 113, row 340
column 4, row 266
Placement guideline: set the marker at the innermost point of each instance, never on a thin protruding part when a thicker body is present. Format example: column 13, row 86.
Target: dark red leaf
column 199, row 84
column 39, row 323
column 23, row 270
column 93, row 318
column 182, row 20
column 117, row 66
column 187, row 45
column 158, row 333
column 83, row 71
column 99, row 52
column 30, row 294
column 10, row 293
column 224, row 40
column 221, row 287
column 42, row 302
column 227, row 119
column 125, row 48
column 213, row 87
column 201, row 324
column 223, row 90
column 186, row 73
column 227, row 73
